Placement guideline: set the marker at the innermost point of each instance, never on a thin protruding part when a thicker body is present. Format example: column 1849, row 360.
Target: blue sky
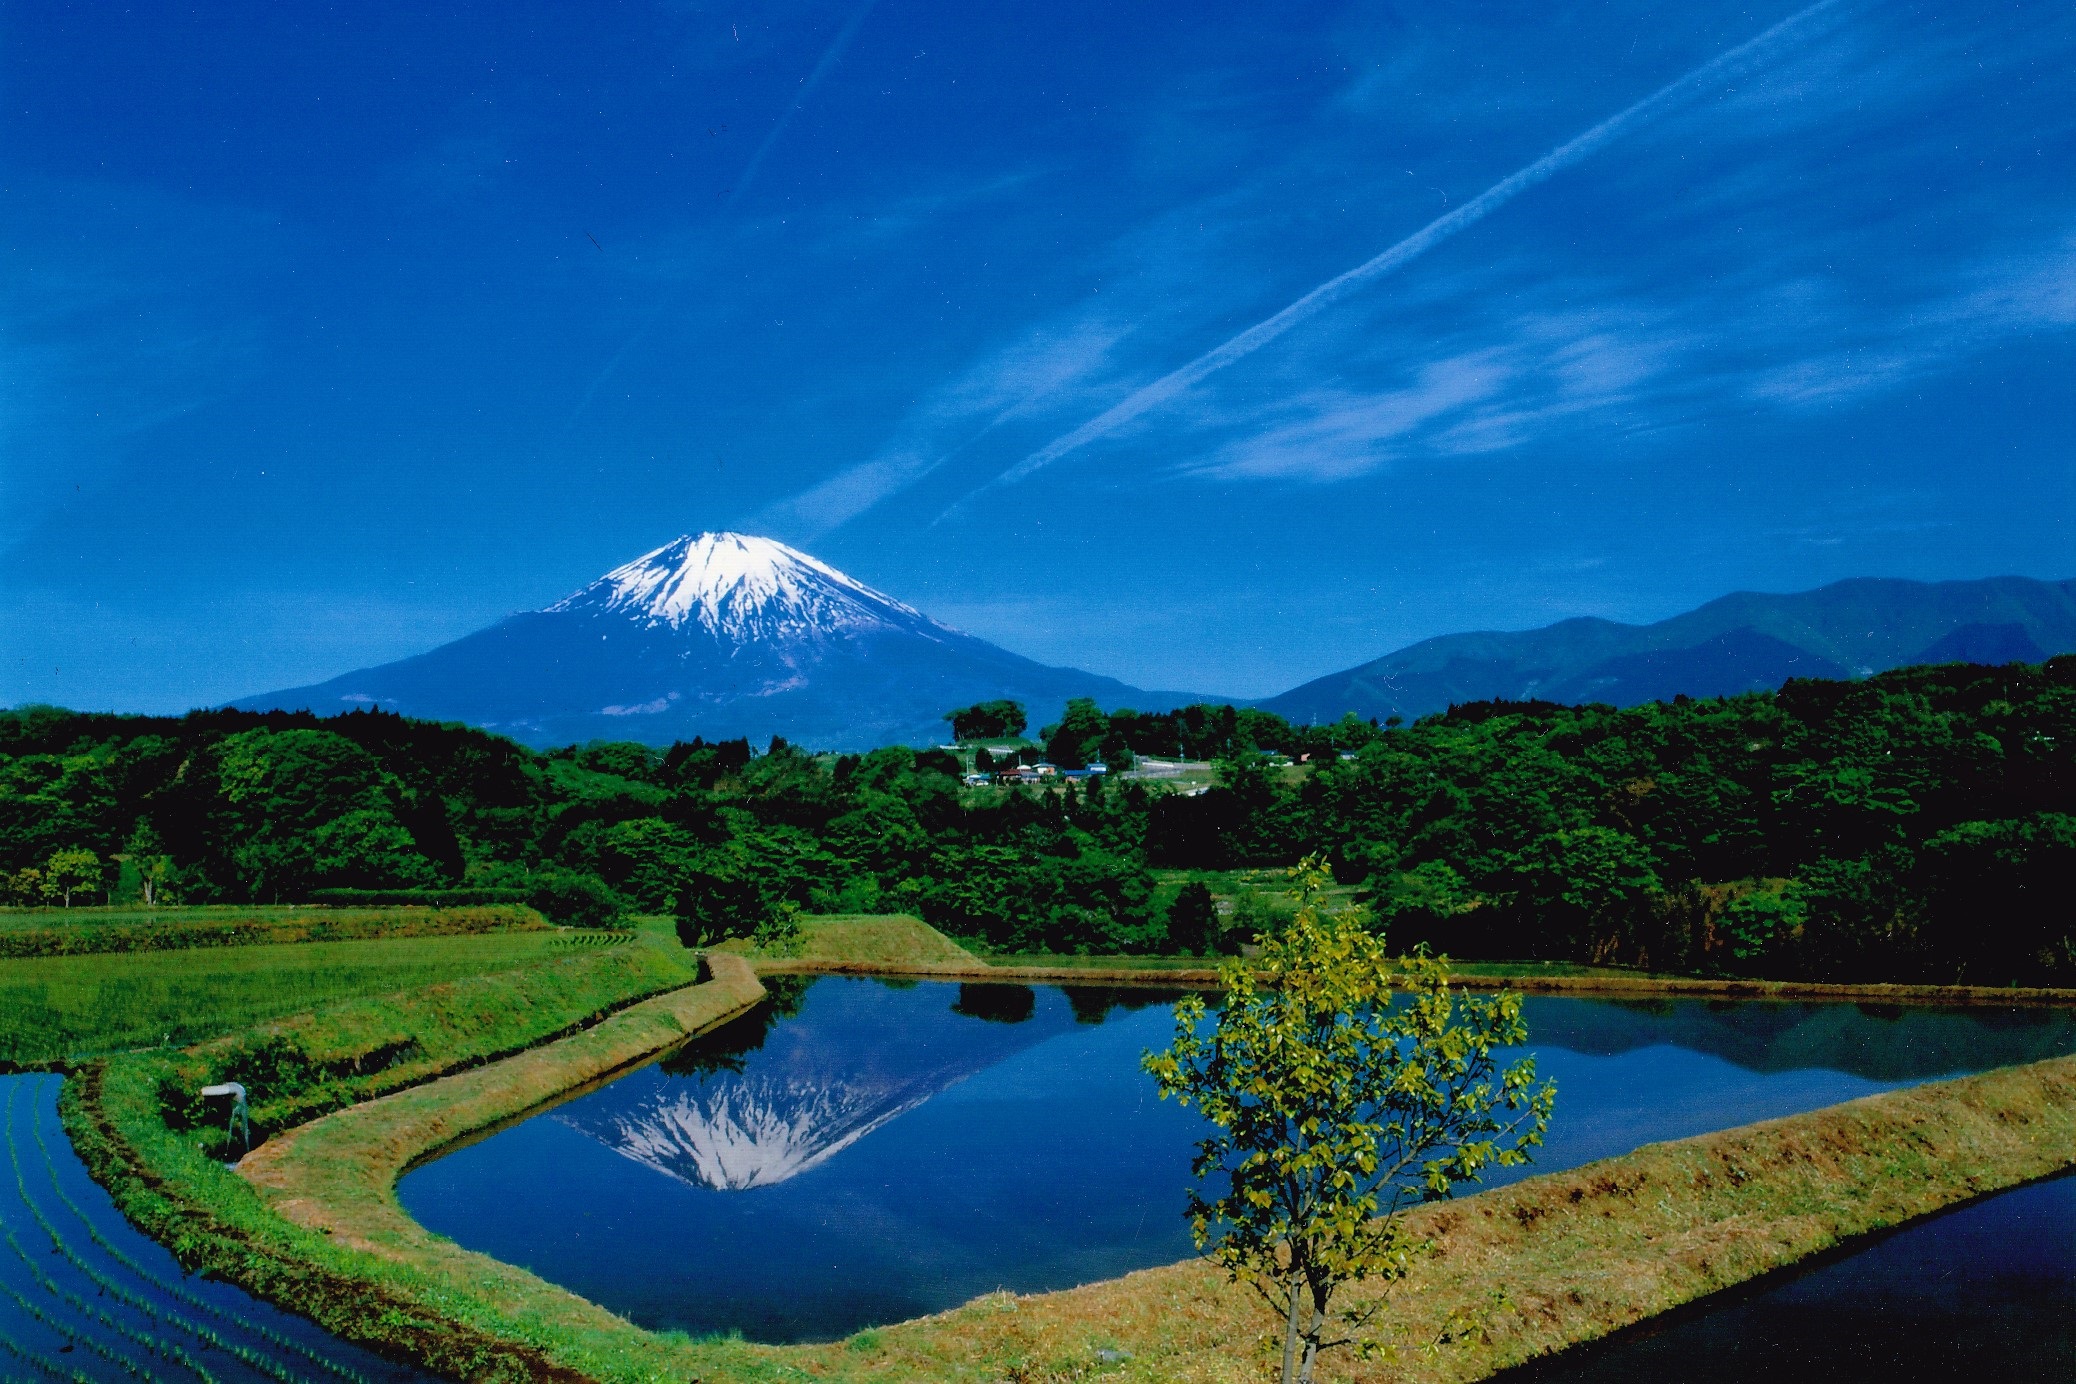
column 328, row 336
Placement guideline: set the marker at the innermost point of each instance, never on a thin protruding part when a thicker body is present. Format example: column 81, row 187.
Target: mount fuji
column 719, row 635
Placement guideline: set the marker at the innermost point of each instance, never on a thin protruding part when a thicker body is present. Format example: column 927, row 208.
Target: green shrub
column 574, row 900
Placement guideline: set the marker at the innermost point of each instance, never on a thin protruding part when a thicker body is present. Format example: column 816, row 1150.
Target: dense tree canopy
column 987, row 720
column 1919, row 825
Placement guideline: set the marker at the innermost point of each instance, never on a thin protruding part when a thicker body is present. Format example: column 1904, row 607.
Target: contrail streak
column 1412, row 247
column 830, row 57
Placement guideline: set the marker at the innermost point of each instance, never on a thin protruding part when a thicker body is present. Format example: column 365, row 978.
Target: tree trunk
column 1312, row 1335
column 1296, row 1286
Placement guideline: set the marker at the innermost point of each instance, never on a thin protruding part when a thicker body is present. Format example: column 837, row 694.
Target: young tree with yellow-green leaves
column 71, row 871
column 1343, row 1087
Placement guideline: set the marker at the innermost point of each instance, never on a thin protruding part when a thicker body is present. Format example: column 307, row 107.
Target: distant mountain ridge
column 718, row 635
column 724, row 635
column 1748, row 641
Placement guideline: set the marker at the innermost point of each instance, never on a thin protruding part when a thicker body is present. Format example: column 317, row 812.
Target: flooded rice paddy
column 1987, row 1291
column 858, row 1151
column 84, row 1296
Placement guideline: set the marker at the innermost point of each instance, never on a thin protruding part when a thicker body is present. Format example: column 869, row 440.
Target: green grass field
column 60, row 1006
column 262, row 915
column 297, row 1068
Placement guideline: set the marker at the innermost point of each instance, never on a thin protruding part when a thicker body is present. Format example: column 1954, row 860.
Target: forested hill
column 1918, row 825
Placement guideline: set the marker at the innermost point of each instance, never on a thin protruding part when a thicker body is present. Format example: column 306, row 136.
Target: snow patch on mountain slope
column 740, row 587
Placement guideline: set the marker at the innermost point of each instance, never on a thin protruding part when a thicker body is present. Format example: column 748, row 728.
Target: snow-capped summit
column 740, row 586
column 721, row 635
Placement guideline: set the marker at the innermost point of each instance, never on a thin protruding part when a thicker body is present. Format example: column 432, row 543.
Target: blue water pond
column 858, row 1152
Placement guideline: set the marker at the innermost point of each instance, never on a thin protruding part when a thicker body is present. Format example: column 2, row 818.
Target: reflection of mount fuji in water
column 733, row 1133
column 756, row 1102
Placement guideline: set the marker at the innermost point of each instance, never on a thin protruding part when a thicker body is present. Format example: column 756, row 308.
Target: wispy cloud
column 1727, row 263
column 94, row 358
column 666, row 300
column 1520, row 365
column 1573, row 151
column 1011, row 384
column 1999, row 294
column 1496, row 382
column 1334, row 434
column 831, row 56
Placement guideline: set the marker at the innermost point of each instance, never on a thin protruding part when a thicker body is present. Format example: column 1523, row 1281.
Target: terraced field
column 84, row 1297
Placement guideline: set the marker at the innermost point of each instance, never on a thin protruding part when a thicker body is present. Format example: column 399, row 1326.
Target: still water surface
column 861, row 1152
column 84, row 1296
column 1984, row 1292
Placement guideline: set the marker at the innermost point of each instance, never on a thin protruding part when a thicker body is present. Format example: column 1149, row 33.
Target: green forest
column 1919, row 825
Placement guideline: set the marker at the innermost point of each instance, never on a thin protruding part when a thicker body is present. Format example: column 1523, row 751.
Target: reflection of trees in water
column 726, row 1048
column 1882, row 1042
column 1094, row 1003
column 997, row 1004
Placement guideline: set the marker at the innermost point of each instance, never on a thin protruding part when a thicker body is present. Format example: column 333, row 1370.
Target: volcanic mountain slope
column 1743, row 642
column 719, row 636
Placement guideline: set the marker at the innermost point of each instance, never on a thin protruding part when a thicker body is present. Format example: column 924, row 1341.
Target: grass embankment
column 299, row 1068
column 70, row 1006
column 1567, row 1257
column 1555, row 1260
column 1557, row 978
column 1612, row 984
column 82, row 931
column 168, row 1183
column 884, row 940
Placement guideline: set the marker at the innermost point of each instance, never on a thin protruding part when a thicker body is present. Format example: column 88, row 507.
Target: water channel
column 858, row 1151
